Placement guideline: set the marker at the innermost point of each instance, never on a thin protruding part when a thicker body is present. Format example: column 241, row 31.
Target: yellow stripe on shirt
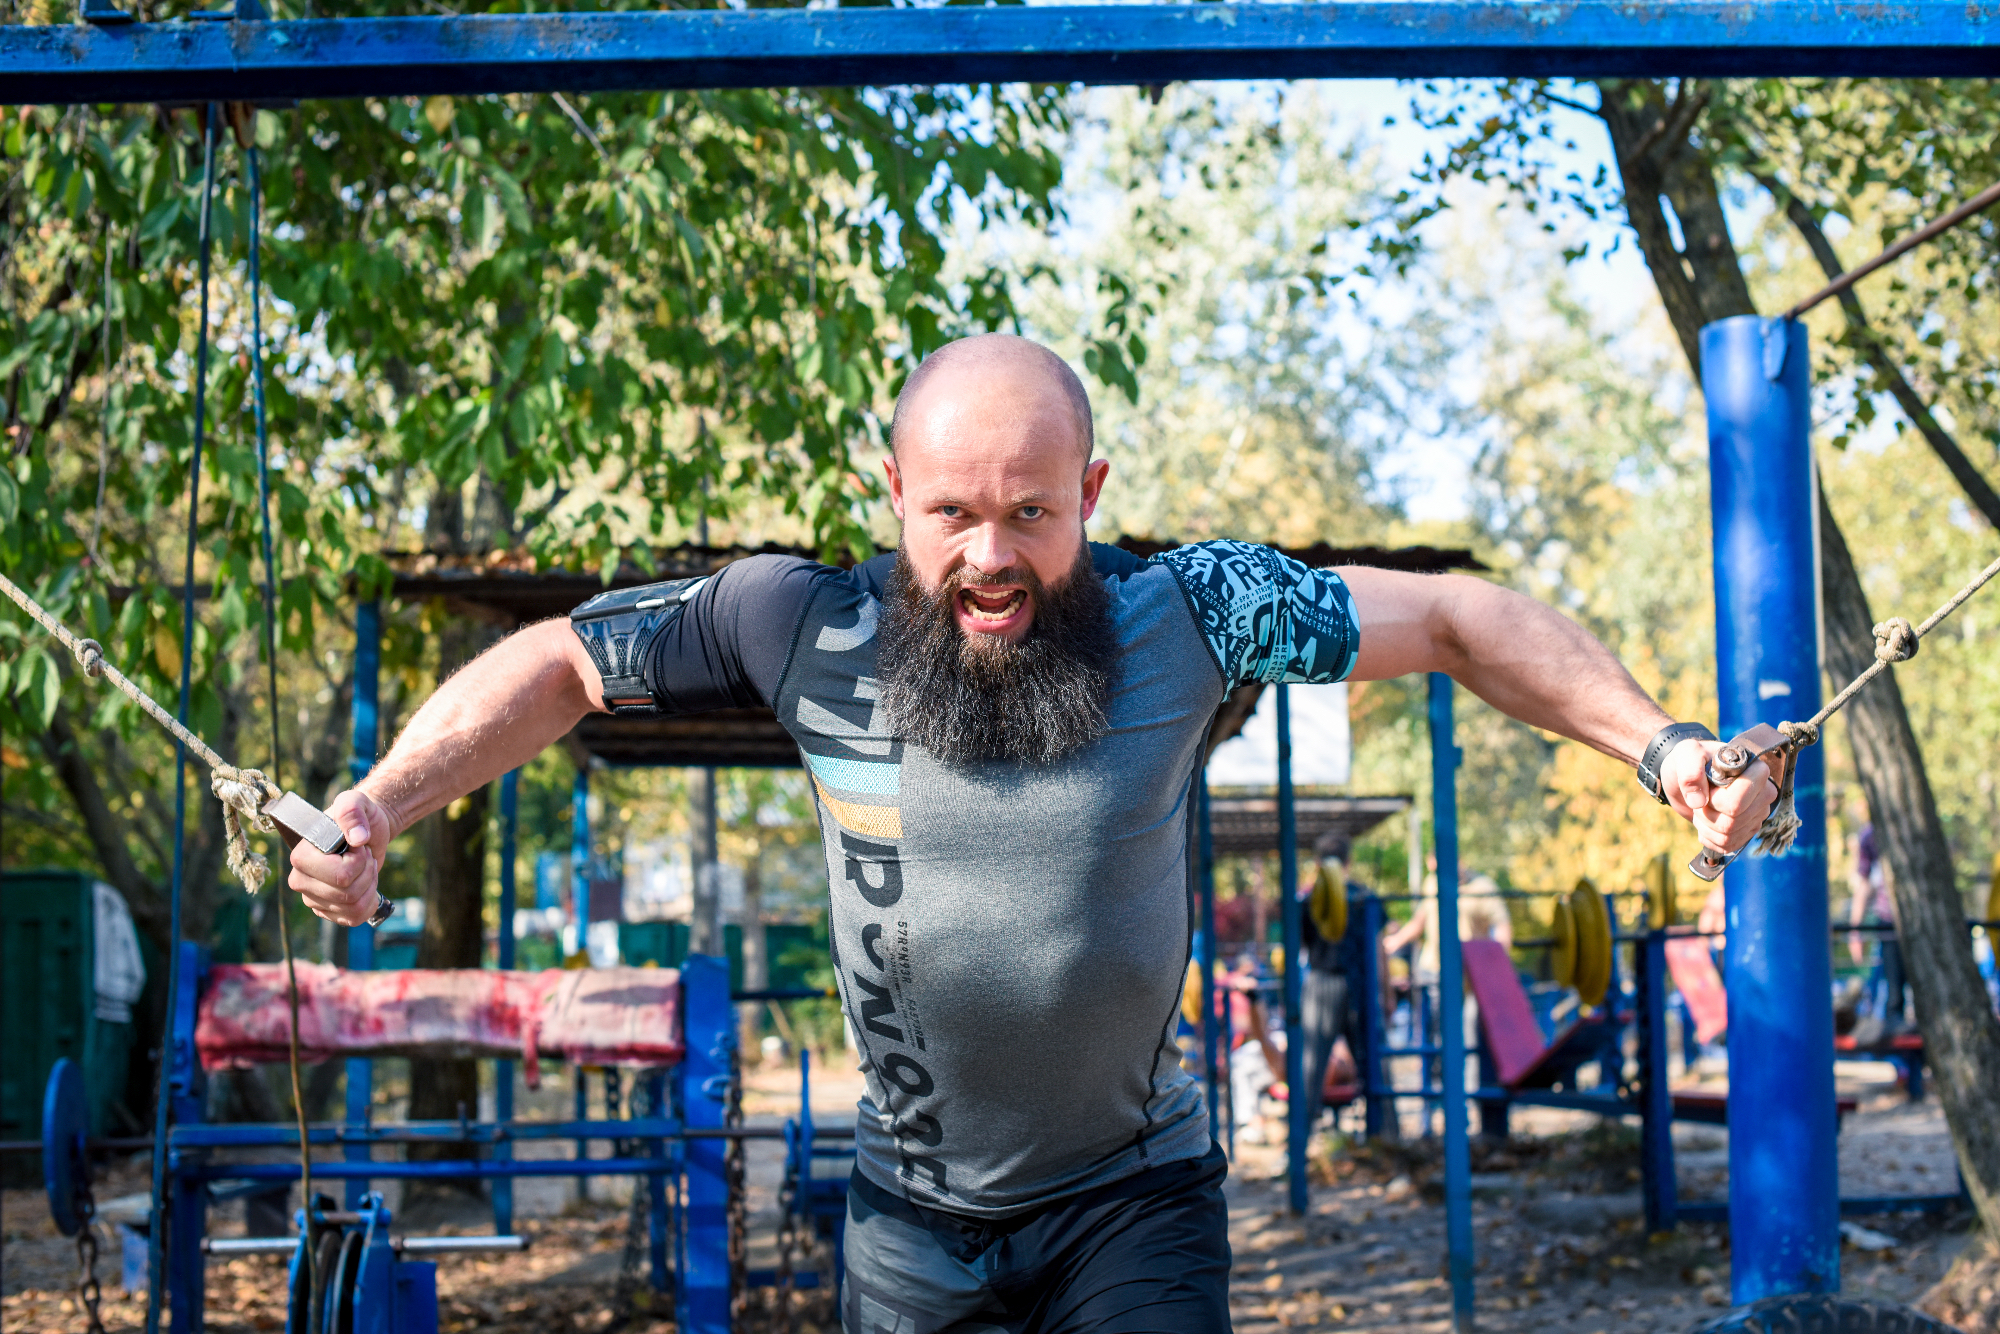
column 874, row 821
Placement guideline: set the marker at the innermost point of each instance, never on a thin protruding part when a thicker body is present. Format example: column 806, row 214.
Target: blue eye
column 950, row 511
column 1031, row 511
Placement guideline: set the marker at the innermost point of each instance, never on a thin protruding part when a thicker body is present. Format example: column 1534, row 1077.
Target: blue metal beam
column 1112, row 44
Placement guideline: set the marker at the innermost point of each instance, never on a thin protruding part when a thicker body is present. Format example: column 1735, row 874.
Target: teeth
column 980, row 611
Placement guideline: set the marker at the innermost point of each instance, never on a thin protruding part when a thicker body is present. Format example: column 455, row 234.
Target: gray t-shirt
column 1010, row 938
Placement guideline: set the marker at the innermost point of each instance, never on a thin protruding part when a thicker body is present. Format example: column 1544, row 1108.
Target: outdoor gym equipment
column 368, row 1280
column 1782, row 1211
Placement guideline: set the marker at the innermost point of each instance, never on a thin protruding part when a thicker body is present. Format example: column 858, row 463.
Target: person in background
column 1329, row 996
column 1256, row 1055
column 1482, row 915
column 1872, row 901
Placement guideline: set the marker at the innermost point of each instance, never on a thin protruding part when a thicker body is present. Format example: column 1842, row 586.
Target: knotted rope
column 1896, row 640
column 242, row 792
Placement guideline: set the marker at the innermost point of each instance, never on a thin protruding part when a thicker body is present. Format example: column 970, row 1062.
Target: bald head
column 1018, row 370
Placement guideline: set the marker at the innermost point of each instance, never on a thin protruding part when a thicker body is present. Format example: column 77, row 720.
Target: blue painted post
column 1208, row 1034
column 1784, row 1209
column 657, row 1221
column 1451, row 1007
column 702, row 1295
column 361, row 939
column 1377, row 1110
column 503, row 1071
column 1656, row 1123
column 1295, row 962
column 579, row 916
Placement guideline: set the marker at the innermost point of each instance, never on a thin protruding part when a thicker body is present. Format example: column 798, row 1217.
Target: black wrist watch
column 1663, row 741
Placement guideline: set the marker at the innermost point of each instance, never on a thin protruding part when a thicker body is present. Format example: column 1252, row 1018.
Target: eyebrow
column 1025, row 498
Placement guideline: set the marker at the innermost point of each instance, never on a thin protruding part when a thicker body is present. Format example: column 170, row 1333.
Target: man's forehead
column 992, row 373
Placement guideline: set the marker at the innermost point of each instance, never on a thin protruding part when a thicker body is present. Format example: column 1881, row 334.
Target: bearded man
column 1003, row 724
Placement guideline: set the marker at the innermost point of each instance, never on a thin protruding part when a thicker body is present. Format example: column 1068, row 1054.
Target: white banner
column 1322, row 753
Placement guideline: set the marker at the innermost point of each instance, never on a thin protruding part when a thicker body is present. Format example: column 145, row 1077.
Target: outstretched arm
column 497, row 713
column 1533, row 663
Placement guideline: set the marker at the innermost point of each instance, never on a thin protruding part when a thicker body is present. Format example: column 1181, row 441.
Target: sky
column 1612, row 280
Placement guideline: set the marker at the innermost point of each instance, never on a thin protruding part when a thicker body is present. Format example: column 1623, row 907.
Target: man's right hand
column 343, row 889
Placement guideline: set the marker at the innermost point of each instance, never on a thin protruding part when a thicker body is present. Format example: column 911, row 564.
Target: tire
column 1809, row 1314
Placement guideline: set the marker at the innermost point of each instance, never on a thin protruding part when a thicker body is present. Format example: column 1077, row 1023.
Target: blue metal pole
column 579, row 854
column 162, row 1208
column 1208, row 1026
column 361, row 939
column 706, row 1071
column 579, row 916
column 1451, row 1007
column 1784, row 1210
column 1295, row 963
column 503, row 1071
column 1128, row 44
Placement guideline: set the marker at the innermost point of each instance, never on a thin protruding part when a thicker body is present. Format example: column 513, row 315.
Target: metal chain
column 88, row 1293
column 732, row 1173
column 789, row 1194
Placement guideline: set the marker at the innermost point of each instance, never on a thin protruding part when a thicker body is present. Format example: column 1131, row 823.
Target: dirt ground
column 1558, row 1233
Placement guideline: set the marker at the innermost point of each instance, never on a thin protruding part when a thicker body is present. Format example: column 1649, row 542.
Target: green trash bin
column 71, row 976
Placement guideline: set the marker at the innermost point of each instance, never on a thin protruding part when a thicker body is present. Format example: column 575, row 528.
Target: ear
column 895, row 485
column 1093, row 484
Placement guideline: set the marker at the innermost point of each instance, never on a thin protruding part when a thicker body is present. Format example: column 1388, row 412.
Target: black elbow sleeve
column 618, row 629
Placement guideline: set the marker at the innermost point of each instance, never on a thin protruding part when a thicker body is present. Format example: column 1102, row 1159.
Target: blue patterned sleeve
column 1265, row 616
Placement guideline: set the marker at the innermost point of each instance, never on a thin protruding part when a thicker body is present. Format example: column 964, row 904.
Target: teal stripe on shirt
column 861, row 776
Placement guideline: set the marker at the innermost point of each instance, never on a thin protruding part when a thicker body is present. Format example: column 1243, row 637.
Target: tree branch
column 1969, row 478
column 105, row 830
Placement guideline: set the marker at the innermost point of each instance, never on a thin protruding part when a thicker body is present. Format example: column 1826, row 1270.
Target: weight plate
column 299, row 1297
column 328, row 1252
column 65, row 1124
column 1593, row 943
column 1562, row 959
column 341, row 1287
column 1660, row 904
column 1328, row 906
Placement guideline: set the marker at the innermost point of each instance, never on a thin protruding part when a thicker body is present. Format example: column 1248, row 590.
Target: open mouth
column 991, row 608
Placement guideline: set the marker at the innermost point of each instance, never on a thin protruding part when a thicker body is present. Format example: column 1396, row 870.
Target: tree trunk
column 756, row 964
column 705, row 928
column 1961, row 1035
column 454, row 842
column 1698, row 285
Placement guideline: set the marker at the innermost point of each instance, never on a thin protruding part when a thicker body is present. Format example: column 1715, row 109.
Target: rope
column 245, row 136
column 156, row 1263
column 242, row 792
column 1896, row 640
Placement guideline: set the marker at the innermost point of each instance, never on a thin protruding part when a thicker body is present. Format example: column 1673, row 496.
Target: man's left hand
column 1726, row 817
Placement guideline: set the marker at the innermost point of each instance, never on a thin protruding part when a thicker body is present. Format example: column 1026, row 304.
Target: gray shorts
column 1146, row 1255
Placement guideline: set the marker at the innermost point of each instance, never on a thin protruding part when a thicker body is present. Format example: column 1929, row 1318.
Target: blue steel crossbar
column 1113, row 44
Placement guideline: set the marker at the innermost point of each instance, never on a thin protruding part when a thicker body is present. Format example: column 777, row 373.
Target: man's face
column 989, row 480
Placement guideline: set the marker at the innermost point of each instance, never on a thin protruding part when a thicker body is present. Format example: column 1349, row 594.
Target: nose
column 989, row 549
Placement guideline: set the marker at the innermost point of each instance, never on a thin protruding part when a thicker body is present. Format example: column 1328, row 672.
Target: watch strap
column 1656, row 751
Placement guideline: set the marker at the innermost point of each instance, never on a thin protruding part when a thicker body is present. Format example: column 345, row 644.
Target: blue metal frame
column 1445, row 757
column 665, row 1155
column 1115, row 44
column 1206, row 872
column 1290, row 914
column 361, row 939
column 1784, row 1196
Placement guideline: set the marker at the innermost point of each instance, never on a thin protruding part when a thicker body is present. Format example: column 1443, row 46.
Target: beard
column 976, row 698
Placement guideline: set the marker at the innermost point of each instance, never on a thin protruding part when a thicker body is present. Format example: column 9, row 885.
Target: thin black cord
column 271, row 659
column 156, row 1238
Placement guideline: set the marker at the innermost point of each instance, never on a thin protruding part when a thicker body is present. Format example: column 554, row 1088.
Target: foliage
column 1269, row 396
column 580, row 324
